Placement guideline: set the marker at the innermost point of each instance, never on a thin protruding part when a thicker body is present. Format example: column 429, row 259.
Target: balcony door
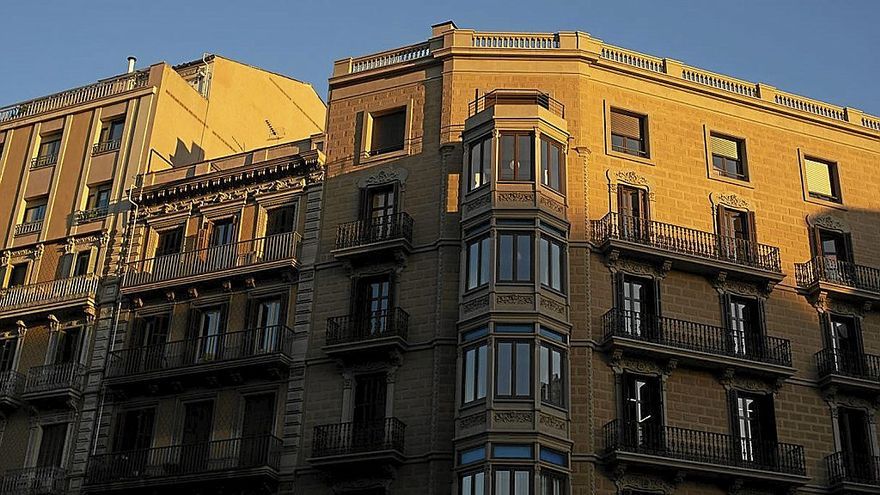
column 845, row 341
column 632, row 205
column 643, row 413
column 736, row 234
column 368, row 415
column 133, row 439
column 221, row 238
column 745, row 337
column 380, row 205
column 639, row 307
column 67, row 345
column 8, row 349
column 195, row 447
column 755, row 426
column 206, row 341
column 152, row 334
column 373, row 312
column 52, row 440
column 855, row 444
column 258, row 426
column 268, row 327
column 834, row 248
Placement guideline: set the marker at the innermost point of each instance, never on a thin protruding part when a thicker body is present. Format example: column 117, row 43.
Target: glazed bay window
column 387, row 131
column 515, row 257
column 473, row 484
column 516, row 156
column 628, row 133
column 552, row 164
column 552, row 263
column 822, row 180
column 552, row 365
column 513, row 369
column 728, row 156
column 480, row 163
column 512, row 481
column 475, row 373
column 478, row 262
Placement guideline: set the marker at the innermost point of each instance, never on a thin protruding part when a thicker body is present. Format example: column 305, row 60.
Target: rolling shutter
column 818, row 177
column 725, row 147
column 626, row 125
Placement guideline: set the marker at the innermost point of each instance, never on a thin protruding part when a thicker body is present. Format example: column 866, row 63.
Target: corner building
column 549, row 265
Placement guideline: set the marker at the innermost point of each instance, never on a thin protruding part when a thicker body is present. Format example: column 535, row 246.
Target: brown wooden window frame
column 548, row 174
column 486, row 145
column 517, row 155
column 641, row 148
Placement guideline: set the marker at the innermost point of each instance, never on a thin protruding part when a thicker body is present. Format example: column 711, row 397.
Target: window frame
column 274, row 211
column 563, row 367
column 743, row 174
column 473, row 486
column 483, row 246
column 372, row 117
column 11, row 271
column 833, row 179
column 107, row 127
column 41, row 204
column 94, row 192
column 550, row 143
column 514, row 268
column 475, row 348
column 514, row 368
column 485, row 171
column 512, row 469
column 516, row 155
column 643, row 152
column 48, row 139
column 547, row 264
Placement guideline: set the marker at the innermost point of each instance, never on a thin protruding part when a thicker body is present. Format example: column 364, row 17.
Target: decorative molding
column 731, row 200
column 472, row 420
column 97, row 240
column 617, row 264
column 520, row 417
column 476, row 304
column 384, row 176
column 725, row 286
column 828, row 222
column 515, row 299
column 551, row 421
column 621, row 363
column 515, row 197
column 631, row 177
column 730, row 380
column 34, row 253
column 627, row 482
column 551, row 204
column 824, row 303
column 553, row 305
column 478, row 202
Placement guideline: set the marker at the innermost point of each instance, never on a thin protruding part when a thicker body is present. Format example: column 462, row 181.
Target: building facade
column 69, row 164
column 551, row 265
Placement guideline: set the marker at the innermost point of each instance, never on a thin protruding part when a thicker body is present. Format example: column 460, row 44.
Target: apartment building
column 68, row 165
column 551, row 266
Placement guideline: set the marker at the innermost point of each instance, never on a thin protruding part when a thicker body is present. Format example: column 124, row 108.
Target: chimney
column 131, row 62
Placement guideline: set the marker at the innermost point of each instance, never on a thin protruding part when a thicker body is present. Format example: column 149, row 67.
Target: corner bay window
column 475, row 373
column 478, row 262
column 513, row 369
column 480, row 163
column 515, row 257
column 552, row 263
column 552, row 164
column 473, row 484
column 516, row 156
column 551, row 375
column 513, row 481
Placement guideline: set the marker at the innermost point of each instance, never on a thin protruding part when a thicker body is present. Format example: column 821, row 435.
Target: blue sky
column 823, row 49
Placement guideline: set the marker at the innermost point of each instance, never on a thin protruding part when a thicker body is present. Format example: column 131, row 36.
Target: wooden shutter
column 624, row 124
column 723, row 222
column 725, row 147
column 818, row 177
column 750, row 216
column 656, row 290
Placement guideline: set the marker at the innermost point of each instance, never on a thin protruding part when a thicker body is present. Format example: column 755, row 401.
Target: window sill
column 824, row 202
column 645, row 160
column 730, row 180
column 555, row 407
column 366, row 158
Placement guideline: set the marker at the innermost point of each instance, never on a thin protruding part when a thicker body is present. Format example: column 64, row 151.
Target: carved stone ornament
column 730, row 199
column 515, row 299
column 515, row 197
column 34, row 252
column 617, row 264
column 522, row 417
column 384, row 176
column 730, row 380
column 621, row 363
column 726, row 286
column 551, row 204
column 824, row 303
column 631, row 177
column 553, row 305
column 97, row 239
column 476, row 304
column 472, row 420
column 627, row 482
column 552, row 422
column 477, row 203
column 828, row 222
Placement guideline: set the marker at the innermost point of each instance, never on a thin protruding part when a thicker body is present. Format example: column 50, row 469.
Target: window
column 737, row 231
column 49, row 148
column 169, row 242
column 552, row 164
column 642, row 411
column 388, row 132
column 744, row 323
column 822, row 179
column 844, row 338
column 513, row 481
column 473, row 484
column 111, row 131
column 369, row 402
column 515, row 257
column 755, row 426
column 280, row 220
column 99, row 196
column 516, row 156
column 134, row 432
column 552, row 365
column 18, row 275
column 8, row 346
column 475, row 373
column 634, row 213
column 552, row 263
column 222, row 232
column 478, row 263
column 67, row 345
column 834, row 246
column 82, row 263
column 514, row 369
column 628, row 133
column 551, row 483
column 855, row 436
column 34, row 211
column 52, row 440
column 637, row 300
column 728, row 156
column 480, row 172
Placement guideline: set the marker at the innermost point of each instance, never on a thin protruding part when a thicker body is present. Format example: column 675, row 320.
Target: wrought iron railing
column 105, row 146
column 369, row 326
column 704, row 447
column 358, row 437
column 278, row 247
column 687, row 241
column 11, row 384
column 47, row 480
column 224, row 347
column 28, row 227
column 699, row 337
column 44, row 160
column 830, row 270
column 831, row 361
column 516, row 96
column 83, row 216
column 53, row 291
column 188, row 459
column 54, row 377
column 378, row 229
column 853, row 468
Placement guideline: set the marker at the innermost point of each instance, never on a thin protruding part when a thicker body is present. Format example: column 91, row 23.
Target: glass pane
column 466, row 485
column 554, row 167
column 479, row 481
column 473, row 264
column 524, row 257
column 544, row 373
column 502, row 483
column 508, row 157
column 469, row 373
column 505, row 257
column 476, row 166
column 488, row 150
column 505, row 356
column 544, row 256
column 522, row 483
column 484, row 261
column 523, row 368
column 482, row 376
column 545, row 162
column 556, row 266
column 525, row 157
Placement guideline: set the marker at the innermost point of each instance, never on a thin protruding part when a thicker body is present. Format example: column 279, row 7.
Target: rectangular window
column 515, row 257
column 516, row 156
column 745, row 326
column 480, row 163
column 99, row 196
column 855, row 435
column 8, row 346
column 133, row 432
column 552, row 263
column 845, row 341
column 513, row 369
column 628, row 133
column 642, row 411
column 552, row 366
column 50, row 146
column 51, row 452
column 34, row 211
column 822, row 179
column 737, row 231
column 513, row 481
column 111, row 131
column 67, row 345
column 169, row 242
column 755, row 425
column 552, row 483
column 280, row 220
column 222, row 232
column 552, row 164
column 478, row 263
column 388, row 132
column 18, row 275
column 475, row 373
column 637, row 300
column 728, row 156
column 82, row 263
column 473, row 484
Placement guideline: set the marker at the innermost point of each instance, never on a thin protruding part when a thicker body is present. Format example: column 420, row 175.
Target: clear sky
column 824, row 49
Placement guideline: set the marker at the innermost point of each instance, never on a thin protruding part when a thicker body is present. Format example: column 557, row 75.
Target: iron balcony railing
column 853, row 468
column 377, row 229
column 181, row 460
column 83, row 216
column 276, row 340
column 53, row 377
column 53, row 291
column 358, row 437
column 830, row 270
column 831, row 361
column 105, row 146
column 704, row 447
column 48, row 480
column 28, row 227
column 253, row 252
column 699, row 337
column 372, row 325
column 514, row 97
column 687, row 241
column 44, row 160
column 11, row 384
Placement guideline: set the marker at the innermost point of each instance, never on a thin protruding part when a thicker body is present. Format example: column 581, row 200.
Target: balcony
column 34, row 481
column 106, row 146
column 343, row 444
column 11, row 386
column 516, row 97
column 846, row 370
column 218, row 464
column 849, row 473
column 90, row 215
column 697, row 344
column 73, row 292
column 704, row 454
column 228, row 357
column 54, row 383
column 28, row 228
column 235, row 259
column 382, row 330
column 839, row 277
column 390, row 233
column 44, row 161
column 687, row 249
